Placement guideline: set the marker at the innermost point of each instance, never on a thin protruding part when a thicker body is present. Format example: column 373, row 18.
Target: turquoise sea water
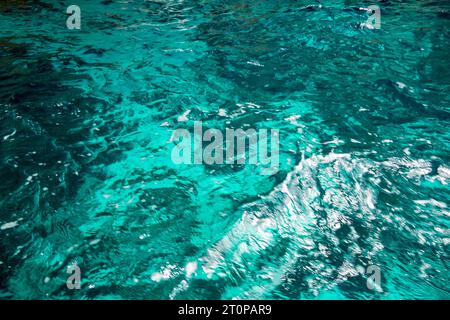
column 86, row 176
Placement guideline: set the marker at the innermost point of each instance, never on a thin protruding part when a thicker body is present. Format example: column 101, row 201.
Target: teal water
column 86, row 118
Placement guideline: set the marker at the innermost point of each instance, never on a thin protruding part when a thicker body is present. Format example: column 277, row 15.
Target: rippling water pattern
column 86, row 118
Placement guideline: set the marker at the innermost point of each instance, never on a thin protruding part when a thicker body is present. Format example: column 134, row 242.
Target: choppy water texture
column 86, row 118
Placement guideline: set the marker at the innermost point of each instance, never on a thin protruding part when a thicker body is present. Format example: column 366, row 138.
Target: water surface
column 86, row 118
